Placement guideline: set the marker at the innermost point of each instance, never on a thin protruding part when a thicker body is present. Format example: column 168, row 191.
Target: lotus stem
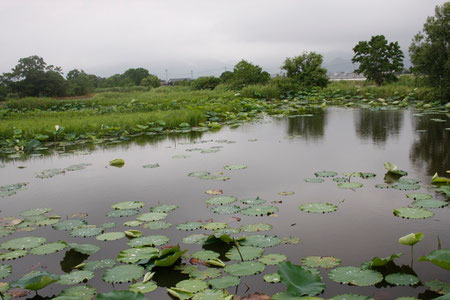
column 237, row 247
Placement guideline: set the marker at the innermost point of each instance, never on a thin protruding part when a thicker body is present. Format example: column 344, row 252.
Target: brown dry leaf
column 237, row 219
column 194, row 261
column 257, row 296
column 79, row 215
column 214, row 192
column 17, row 293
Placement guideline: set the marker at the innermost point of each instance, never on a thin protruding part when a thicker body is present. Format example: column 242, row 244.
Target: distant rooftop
column 346, row 76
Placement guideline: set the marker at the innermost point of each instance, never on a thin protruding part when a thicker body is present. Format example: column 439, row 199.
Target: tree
column 306, row 70
column 430, row 50
column 245, row 73
column 378, row 60
column 151, row 80
column 226, row 76
column 136, row 75
column 80, row 83
column 205, row 83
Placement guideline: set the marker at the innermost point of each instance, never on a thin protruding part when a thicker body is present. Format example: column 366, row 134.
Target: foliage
column 267, row 91
column 245, row 73
column 306, row 70
column 226, row 76
column 439, row 257
column 80, row 83
column 299, row 281
column 378, row 60
column 205, row 83
column 151, row 80
column 411, row 239
column 35, row 280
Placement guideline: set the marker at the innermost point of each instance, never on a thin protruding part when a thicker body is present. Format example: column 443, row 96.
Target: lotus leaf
column 211, row 295
column 438, row 286
column 143, row 287
column 69, row 224
column 226, row 209
column 134, row 255
column 325, row 174
column 439, row 180
column 286, row 296
column 118, row 162
column 383, row 186
column 272, row 278
column 49, row 221
column 151, row 216
column 209, row 151
column 321, row 261
column 195, row 239
column 291, row 240
column 49, row 248
column 87, row 231
column 406, row 186
column 444, row 189
column 49, row 173
column 432, row 203
column 253, row 201
column 179, row 293
column 351, row 297
column 157, row 225
column 355, row 276
column 350, row 185
column 272, row 259
column 35, row 280
column 408, row 298
column 192, row 285
column 419, row 196
column 408, row 181
column 439, row 257
column 224, row 282
column 205, row 274
column 87, row 249
column 81, row 291
column 35, row 212
column 134, row 223
column 299, row 281
column 412, row 213
column 151, row 166
column 151, row 240
column 128, row 205
column 198, row 174
column 247, row 252
column 245, row 268
column 5, row 270
column 256, row 227
column 23, row 243
column 411, row 239
column 169, row 256
column 13, row 255
column 226, row 231
column 75, row 277
column 391, row 168
column 379, row 262
column 340, row 179
column 260, row 240
column 235, row 167
column 215, row 226
column 188, row 226
column 121, row 295
column 118, row 213
column 401, row 279
column 163, row 208
column 221, row 200
column 181, row 156
column 205, row 255
column 123, row 273
column 214, row 192
column 133, row 233
column 99, row 264
column 108, row 225
column 314, row 180
column 318, row 207
column 110, row 236
column 259, row 210
column 367, row 175
column 5, row 232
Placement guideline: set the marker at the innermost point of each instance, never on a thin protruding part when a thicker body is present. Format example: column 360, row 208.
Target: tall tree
column 306, row 69
column 246, row 73
column 136, row 75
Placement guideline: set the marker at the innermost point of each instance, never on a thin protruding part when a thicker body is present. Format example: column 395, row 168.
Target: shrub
column 205, row 83
column 268, row 91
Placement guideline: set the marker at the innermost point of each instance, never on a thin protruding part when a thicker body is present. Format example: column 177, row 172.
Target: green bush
column 268, row 91
column 123, row 89
column 205, row 83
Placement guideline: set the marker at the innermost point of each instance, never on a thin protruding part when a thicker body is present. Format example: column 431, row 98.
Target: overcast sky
column 105, row 37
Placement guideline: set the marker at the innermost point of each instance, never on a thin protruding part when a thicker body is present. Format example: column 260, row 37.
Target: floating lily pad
column 205, row 255
column 224, row 282
column 151, row 240
column 272, row 278
column 351, row 297
column 133, row 223
column 188, row 226
column 118, row 213
column 226, row 209
column 367, row 175
column 143, row 287
column 163, row 208
column 383, row 186
column 123, row 273
column 23, row 243
column 408, row 181
column 209, row 294
column 245, row 268
column 355, row 276
column 198, row 174
column 247, row 252
column 263, row 241
column 291, row 240
column 318, row 207
column 221, row 200
column 181, row 156
column 438, row 286
column 195, row 239
column 314, row 180
column 75, row 277
column 205, row 274
column 13, row 254
column 431, row 203
column 133, row 233
column 134, row 255
column 49, row 173
column 272, row 259
column 128, row 205
column 413, row 213
column 235, row 167
column 401, row 279
column 120, row 295
column 110, row 236
column 11, row 189
column 99, row 264
column 86, row 232
column 87, row 249
column 49, row 248
column 259, row 210
column 69, row 224
column 5, row 232
column 256, row 227
column 5, row 270
column 192, row 285
column 379, row 262
column 419, row 196
column 215, row 226
column 157, row 225
column 350, row 185
column 49, row 221
column 35, row 212
column 325, row 174
column 321, row 261
column 253, row 201
column 226, row 231
column 108, row 225
column 340, row 179
column 81, row 292
column 151, row 166
column 151, row 216
column 406, row 186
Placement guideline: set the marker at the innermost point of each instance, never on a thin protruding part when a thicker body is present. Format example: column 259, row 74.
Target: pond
column 277, row 155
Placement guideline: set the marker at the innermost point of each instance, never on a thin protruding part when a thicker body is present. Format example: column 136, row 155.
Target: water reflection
column 309, row 127
column 430, row 151
column 378, row 125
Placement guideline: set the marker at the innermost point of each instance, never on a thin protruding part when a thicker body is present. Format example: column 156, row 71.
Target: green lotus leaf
column 367, row 175
column 5, row 232
column 198, row 174
column 325, row 174
column 444, row 297
column 23, row 243
column 215, row 226
column 226, row 231
column 224, row 282
column 205, row 274
column 438, row 286
column 143, row 287
column 318, row 207
column 133, row 233
column 75, row 277
column 272, row 278
column 99, row 264
column 247, row 252
column 411, row 239
column 340, row 179
column 259, row 210
column 272, row 259
column 256, row 227
column 384, row 186
column 5, row 270
column 350, row 185
column 406, row 186
column 33, row 219
column 408, row 181
column 299, row 281
column 204, row 151
column 163, row 208
column 235, row 167
column 205, row 255
column 181, row 156
column 134, row 255
column 286, row 296
column 87, row 231
column 226, row 209
column 48, row 221
column 69, row 224
column 221, row 200
column 321, row 261
column 35, row 212
column 133, row 223
column 210, row 295
column 408, row 298
column 179, row 293
column 351, row 297
column 108, row 225
column 215, row 262
column 157, row 225
column 188, row 226
column 444, row 189
column 87, row 249
column 291, row 240
column 432, row 203
column 118, row 162
column 245, row 268
column 151, row 166
column 128, row 205
column 314, row 180
column 379, row 262
column 121, row 295
column 355, row 276
column 253, row 201
column 151, row 240
column 13, row 254
column 401, row 279
column 192, row 285
column 391, row 168
column 110, row 236
column 440, row 258
column 35, row 280
column 123, row 273
column 195, row 239
column 81, row 291
column 169, row 256
column 439, row 180
column 412, row 213
column 151, row 216
column 118, row 213
column 419, row 196
column 260, row 240
column 49, row 248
